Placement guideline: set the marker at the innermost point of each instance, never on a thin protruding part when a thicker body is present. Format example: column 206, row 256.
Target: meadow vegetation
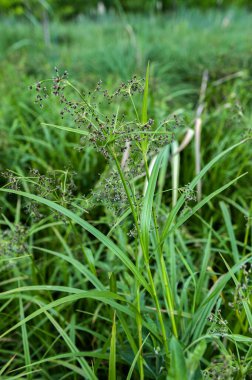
column 126, row 209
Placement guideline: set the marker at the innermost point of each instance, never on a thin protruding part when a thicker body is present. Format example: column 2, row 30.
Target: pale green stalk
column 152, row 285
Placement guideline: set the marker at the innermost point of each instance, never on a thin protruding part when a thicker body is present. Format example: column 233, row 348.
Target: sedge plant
column 167, row 335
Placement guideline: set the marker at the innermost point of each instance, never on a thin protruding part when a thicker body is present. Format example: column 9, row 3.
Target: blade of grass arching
column 181, row 200
column 244, row 211
column 199, row 320
column 6, row 365
column 72, row 367
column 62, row 241
column 135, row 359
column 119, row 221
column 88, row 227
column 87, row 370
column 204, row 201
column 102, row 296
column 67, row 129
column 53, row 288
column 244, row 302
column 232, row 337
column 203, row 270
column 69, row 355
column 215, row 233
column 77, row 265
column 25, row 340
column 21, row 375
column 230, row 230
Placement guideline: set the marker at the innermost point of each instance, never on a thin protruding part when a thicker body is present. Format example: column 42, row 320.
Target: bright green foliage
column 125, row 274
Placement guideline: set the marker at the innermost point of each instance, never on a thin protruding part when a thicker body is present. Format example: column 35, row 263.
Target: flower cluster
column 101, row 118
column 222, row 368
column 243, row 289
column 13, row 241
column 217, row 324
column 58, row 186
column 105, row 130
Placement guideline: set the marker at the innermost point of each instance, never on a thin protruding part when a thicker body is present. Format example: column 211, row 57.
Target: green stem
column 138, row 318
column 164, row 275
column 152, row 285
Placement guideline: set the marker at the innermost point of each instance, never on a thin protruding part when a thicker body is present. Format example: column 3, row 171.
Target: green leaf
column 195, row 357
column 67, row 129
column 24, row 335
column 198, row 206
column 178, row 365
column 203, row 270
column 112, row 354
column 148, row 204
column 199, row 320
column 87, row 372
column 77, row 265
column 135, row 359
column 244, row 301
column 228, row 222
column 88, row 227
column 181, row 200
column 102, row 296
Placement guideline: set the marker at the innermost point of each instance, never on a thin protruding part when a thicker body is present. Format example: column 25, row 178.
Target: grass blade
column 228, row 222
column 178, row 365
column 112, row 354
column 192, row 185
column 88, row 227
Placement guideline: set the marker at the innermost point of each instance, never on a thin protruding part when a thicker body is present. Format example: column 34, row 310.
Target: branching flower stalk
column 110, row 134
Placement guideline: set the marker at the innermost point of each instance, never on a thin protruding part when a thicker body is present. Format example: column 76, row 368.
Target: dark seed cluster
column 58, row 186
column 102, row 119
column 110, row 192
column 103, row 129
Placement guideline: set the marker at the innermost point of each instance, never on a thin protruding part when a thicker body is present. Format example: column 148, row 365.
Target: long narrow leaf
column 88, row 227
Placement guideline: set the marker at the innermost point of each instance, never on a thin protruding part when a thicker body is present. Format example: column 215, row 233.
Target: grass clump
column 134, row 293
column 125, row 231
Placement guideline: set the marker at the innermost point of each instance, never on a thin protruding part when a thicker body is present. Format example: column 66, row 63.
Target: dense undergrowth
column 126, row 246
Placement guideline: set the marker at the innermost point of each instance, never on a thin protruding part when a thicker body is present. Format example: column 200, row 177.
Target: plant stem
column 146, row 260
column 164, row 275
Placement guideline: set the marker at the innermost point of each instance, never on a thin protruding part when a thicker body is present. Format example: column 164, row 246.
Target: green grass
column 155, row 285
